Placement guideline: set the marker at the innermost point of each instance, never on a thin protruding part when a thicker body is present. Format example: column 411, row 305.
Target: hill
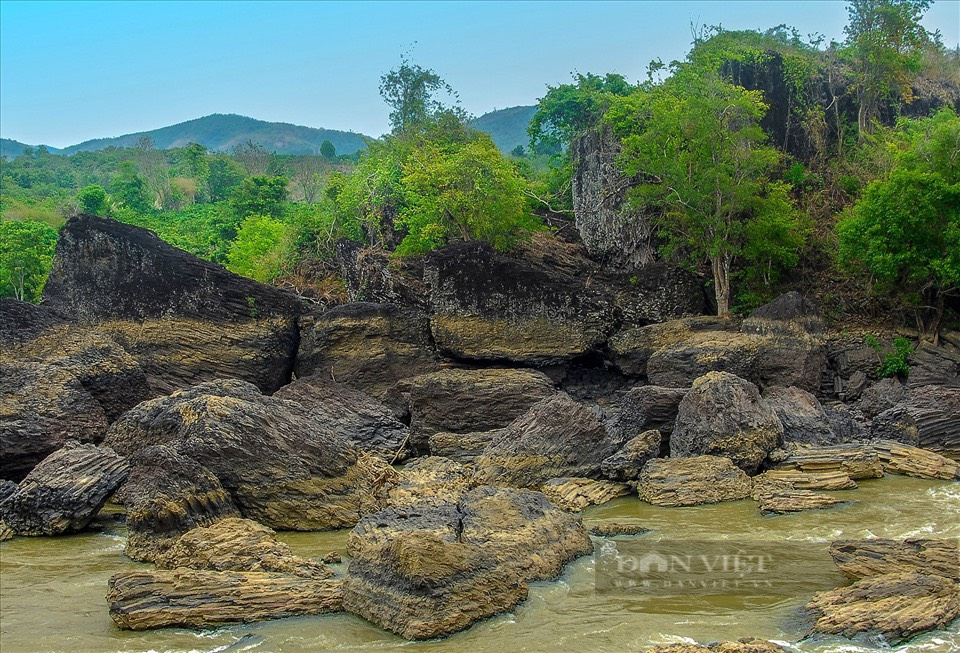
column 507, row 127
column 222, row 132
column 10, row 148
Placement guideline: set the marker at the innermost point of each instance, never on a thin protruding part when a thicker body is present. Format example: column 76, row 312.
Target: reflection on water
column 52, row 590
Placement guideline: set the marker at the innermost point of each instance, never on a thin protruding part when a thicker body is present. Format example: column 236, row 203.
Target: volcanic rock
column 627, row 463
column 803, row 418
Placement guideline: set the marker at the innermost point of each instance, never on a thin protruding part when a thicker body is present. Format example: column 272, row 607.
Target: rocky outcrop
column 430, row 479
column 353, row 415
column 462, row 447
column 855, row 460
column 929, row 417
column 280, row 466
column 913, row 461
column 895, row 606
column 41, row 408
column 790, row 308
column 64, row 492
column 782, row 492
column 166, row 495
column 234, row 544
column 183, row 319
column 487, row 306
column 140, row 600
column 367, row 346
column 880, row 396
column 627, row 463
column 724, row 415
column 692, row 481
column 467, row 401
column 575, row 494
column 866, row 558
column 557, row 437
column 631, row 349
column 647, row 407
column 432, row 570
column 931, row 365
column 803, row 418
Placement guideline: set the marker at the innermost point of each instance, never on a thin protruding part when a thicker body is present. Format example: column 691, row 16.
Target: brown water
column 52, row 590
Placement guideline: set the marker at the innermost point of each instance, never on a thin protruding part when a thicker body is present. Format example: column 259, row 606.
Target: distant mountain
column 507, row 127
column 222, row 132
column 10, row 149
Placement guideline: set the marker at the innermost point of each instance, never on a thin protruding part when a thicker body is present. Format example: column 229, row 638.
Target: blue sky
column 71, row 71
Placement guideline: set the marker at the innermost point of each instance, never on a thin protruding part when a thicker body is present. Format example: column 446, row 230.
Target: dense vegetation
column 762, row 159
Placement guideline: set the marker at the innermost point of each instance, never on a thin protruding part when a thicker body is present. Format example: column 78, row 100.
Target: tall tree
column 253, row 156
column 26, row 256
column 411, row 93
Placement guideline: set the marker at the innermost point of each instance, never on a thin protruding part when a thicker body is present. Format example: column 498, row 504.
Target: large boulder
column 557, row 437
column 646, row 407
column 166, row 495
column 429, row 479
column 724, row 415
column 487, row 306
column 280, row 466
column 880, row 396
column 632, row 348
column 367, row 346
column 353, row 415
column 692, row 481
column 183, row 319
column 64, row 492
column 627, row 463
column 467, row 401
column 431, row 570
column 929, row 417
column 575, row 494
column 803, row 418
column 41, row 408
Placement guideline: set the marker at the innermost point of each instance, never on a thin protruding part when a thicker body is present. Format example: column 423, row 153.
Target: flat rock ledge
column 575, row 494
column 692, row 481
column 141, row 600
column 913, row 461
column 742, row 646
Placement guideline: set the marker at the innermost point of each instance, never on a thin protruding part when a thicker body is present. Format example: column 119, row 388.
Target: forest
column 762, row 161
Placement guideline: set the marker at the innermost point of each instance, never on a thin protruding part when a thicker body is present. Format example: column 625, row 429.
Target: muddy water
column 51, row 590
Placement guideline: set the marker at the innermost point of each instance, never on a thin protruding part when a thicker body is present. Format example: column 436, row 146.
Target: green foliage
column 262, row 249
column 328, row 151
column 93, row 200
column 224, row 175
column 204, row 230
column 26, row 256
column 128, row 189
column 260, row 195
column 895, row 363
column 410, row 91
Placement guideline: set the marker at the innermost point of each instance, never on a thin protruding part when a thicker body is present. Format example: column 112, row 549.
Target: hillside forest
column 762, row 161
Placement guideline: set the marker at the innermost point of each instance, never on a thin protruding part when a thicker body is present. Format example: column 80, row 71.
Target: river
column 52, row 589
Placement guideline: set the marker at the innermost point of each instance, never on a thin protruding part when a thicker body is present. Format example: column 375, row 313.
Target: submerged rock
column 875, row 557
column 724, row 415
column 64, row 492
column 743, row 646
column 556, row 437
column 692, row 481
column 141, row 600
column 431, row 570
column 41, row 408
column 280, row 466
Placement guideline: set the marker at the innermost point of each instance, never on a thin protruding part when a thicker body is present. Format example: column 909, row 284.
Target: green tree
column 93, row 200
column 885, row 42
column 697, row 147
column 225, row 175
column 26, row 256
column 410, row 91
column 262, row 249
column 328, row 151
column 260, row 195
column 128, row 189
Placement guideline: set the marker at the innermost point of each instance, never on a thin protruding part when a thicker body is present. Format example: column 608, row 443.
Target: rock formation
column 692, row 481
column 575, row 494
column 627, row 463
column 803, row 418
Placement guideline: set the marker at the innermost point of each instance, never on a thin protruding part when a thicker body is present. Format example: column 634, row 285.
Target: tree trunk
column 720, row 265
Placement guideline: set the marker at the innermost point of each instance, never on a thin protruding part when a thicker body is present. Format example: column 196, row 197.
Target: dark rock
column 432, row 570
column 557, row 437
column 489, row 307
column 882, row 395
column 166, row 495
column 373, row 275
column 184, row 319
column 41, row 408
column 803, row 418
column 367, row 346
column 628, row 462
column 140, row 600
column 64, row 492
column 724, row 415
column 575, row 494
column 613, row 529
column 929, row 418
column 233, row 544
column 353, row 415
column 855, row 386
column 931, row 365
column 468, row 401
column 846, row 424
column 462, row 447
column 692, row 481
column 790, row 307
column 281, row 467
column 850, row 361
column 867, row 558
column 7, row 488
column 643, row 408
column 21, row 322
column 894, row 606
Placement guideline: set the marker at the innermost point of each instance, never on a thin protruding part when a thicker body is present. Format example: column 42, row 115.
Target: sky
column 72, row 71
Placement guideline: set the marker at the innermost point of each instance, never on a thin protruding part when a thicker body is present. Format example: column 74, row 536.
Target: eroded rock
column 803, row 418
column 857, row 461
column 913, row 461
column 627, row 463
column 692, row 481
column 575, row 494
column 875, row 557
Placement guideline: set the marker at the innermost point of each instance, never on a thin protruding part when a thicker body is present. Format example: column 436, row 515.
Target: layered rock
column 140, row 600
column 866, row 558
column 166, row 495
column 183, row 319
column 627, row 463
column 913, row 461
column 783, row 492
column 367, row 346
column 64, row 492
column 724, row 415
column 557, row 437
column 575, row 494
column 827, row 480
column 353, row 415
column 487, row 306
column 929, row 417
column 692, row 481
column 280, row 466
column 468, row 401
column 857, row 461
column 880, row 396
column 431, row 570
column 803, row 418
column 431, row 479
column 41, row 408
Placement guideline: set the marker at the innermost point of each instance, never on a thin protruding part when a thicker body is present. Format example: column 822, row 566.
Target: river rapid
column 52, row 589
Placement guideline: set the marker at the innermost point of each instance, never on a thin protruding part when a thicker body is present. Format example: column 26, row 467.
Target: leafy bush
column 895, row 363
